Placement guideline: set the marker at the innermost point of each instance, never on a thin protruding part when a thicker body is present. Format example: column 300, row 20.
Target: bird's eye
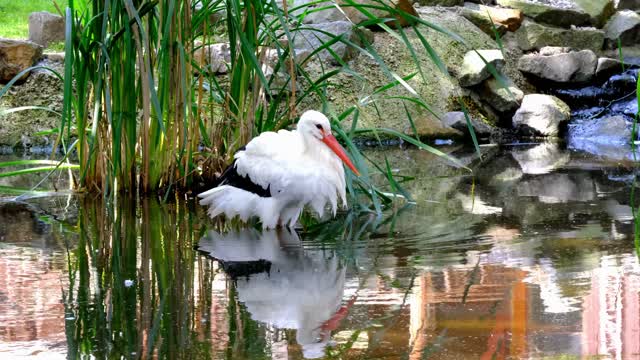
column 318, row 126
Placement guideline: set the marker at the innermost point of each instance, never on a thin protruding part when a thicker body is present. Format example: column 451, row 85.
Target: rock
column 45, row 28
column 503, row 99
column 541, row 159
column 554, row 50
column 352, row 14
column 628, row 5
column 475, row 66
column 565, row 13
column 563, row 16
column 457, row 120
column 608, row 137
column 574, row 67
column 438, row 89
column 312, row 39
column 41, row 89
column 16, row 56
column 607, row 66
column 216, row 57
column 440, row 2
column 487, row 18
column 599, row 10
column 536, row 36
column 429, row 127
column 541, row 115
column 624, row 25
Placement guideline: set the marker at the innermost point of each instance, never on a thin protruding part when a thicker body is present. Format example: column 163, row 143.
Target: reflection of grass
column 14, row 16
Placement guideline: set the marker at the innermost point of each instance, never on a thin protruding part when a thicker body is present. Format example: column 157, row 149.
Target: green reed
column 142, row 111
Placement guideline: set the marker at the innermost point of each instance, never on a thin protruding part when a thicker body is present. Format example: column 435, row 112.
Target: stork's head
column 313, row 124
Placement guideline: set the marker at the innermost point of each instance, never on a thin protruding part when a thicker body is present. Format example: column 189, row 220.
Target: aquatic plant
column 143, row 112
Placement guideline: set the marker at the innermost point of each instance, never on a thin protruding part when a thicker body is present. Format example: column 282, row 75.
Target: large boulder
column 624, row 25
column 532, row 36
column 348, row 12
column 476, row 66
column 564, row 13
column 437, row 88
column 573, row 67
column 45, row 28
column 316, row 37
column 490, row 18
column 541, row 115
column 16, row 56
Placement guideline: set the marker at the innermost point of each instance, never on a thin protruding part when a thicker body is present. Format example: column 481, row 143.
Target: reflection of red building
column 611, row 310
column 506, row 314
column 31, row 305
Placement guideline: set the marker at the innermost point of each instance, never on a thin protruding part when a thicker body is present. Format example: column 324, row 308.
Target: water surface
column 531, row 257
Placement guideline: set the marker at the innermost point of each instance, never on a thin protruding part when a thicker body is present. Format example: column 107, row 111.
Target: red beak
column 333, row 144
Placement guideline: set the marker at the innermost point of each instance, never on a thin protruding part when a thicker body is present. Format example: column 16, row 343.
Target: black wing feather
column 231, row 177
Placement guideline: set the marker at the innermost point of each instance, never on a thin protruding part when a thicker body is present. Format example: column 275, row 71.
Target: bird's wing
column 275, row 161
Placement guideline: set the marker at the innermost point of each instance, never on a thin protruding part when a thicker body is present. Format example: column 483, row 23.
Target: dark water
column 531, row 257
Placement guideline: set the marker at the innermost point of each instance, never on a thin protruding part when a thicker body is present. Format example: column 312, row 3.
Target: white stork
column 276, row 174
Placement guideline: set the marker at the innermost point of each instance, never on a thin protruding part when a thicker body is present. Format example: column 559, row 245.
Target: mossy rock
column 432, row 85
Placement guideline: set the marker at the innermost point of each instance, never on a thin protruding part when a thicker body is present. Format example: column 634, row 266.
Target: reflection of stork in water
column 298, row 289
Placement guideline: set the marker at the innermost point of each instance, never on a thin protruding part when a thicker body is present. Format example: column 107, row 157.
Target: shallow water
column 532, row 257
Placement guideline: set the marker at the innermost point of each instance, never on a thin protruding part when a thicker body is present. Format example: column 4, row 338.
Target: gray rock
column 574, row 67
column 503, row 99
column 312, row 39
column 541, row 115
column 45, row 28
column 16, row 56
column 624, row 25
column 458, row 121
column 475, row 66
column 628, row 5
column 607, row 66
column 532, row 36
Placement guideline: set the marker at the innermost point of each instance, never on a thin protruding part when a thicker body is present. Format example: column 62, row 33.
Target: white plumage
column 277, row 174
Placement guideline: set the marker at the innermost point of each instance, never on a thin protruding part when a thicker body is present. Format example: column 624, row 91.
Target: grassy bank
column 14, row 16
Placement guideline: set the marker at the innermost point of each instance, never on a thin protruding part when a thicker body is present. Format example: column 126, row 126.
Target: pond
column 532, row 256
